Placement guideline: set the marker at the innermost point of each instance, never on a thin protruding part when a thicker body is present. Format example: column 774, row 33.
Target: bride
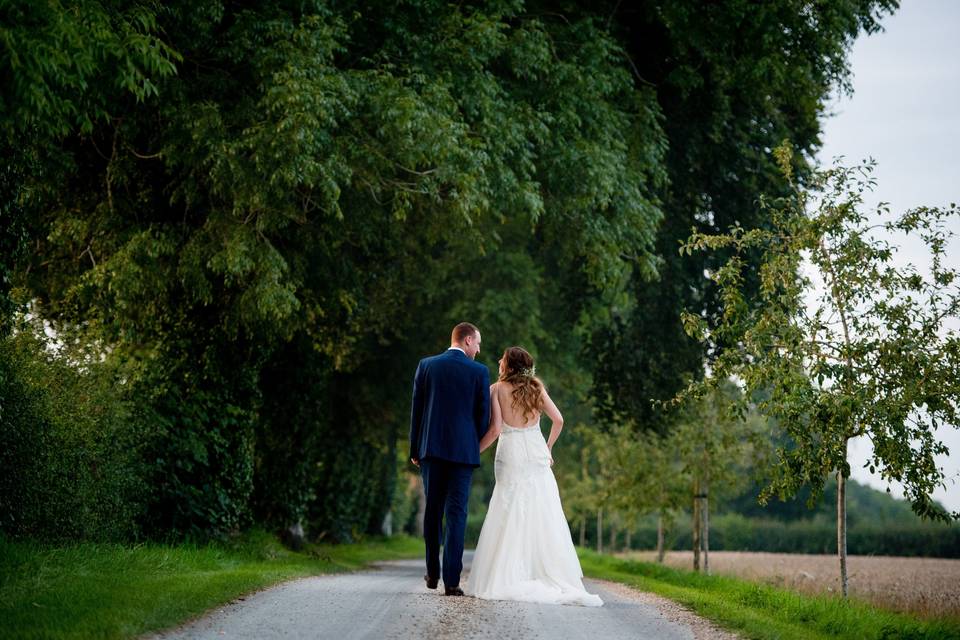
column 525, row 551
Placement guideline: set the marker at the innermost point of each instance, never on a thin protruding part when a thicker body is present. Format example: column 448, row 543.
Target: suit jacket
column 451, row 408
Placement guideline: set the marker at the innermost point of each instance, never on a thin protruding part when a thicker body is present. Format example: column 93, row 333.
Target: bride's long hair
column 520, row 372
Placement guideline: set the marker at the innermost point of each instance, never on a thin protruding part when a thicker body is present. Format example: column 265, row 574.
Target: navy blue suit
column 449, row 416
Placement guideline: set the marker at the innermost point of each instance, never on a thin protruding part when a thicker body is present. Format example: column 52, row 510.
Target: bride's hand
column 550, row 453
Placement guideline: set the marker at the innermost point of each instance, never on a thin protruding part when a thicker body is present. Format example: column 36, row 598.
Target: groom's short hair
column 462, row 330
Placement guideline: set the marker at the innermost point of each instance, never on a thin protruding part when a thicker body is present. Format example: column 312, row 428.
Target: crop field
column 924, row 586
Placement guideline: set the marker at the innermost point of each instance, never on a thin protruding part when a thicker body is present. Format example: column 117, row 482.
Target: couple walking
column 525, row 551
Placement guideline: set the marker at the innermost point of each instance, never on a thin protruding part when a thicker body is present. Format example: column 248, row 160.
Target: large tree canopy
column 289, row 168
column 733, row 79
column 319, row 175
column 261, row 214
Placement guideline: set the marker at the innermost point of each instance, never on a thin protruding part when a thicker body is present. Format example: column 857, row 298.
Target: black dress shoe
column 452, row 591
column 431, row 582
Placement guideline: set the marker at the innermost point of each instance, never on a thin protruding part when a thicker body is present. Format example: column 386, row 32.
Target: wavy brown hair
column 527, row 388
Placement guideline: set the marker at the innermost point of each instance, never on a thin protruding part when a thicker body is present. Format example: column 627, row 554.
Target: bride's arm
column 496, row 420
column 556, row 420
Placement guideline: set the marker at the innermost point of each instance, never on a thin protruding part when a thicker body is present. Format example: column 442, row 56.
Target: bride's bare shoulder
column 505, row 387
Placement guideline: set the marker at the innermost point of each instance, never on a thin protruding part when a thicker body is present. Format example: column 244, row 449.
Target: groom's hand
column 415, row 461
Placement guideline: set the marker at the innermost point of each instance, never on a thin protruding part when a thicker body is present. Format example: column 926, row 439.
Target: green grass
column 117, row 591
column 763, row 612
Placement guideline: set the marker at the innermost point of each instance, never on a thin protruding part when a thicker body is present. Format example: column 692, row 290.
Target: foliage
column 69, row 62
column 200, row 443
column 715, row 449
column 13, row 235
column 864, row 505
column 229, row 197
column 732, row 79
column 628, row 473
column 870, row 355
column 69, row 444
column 262, row 216
column 879, row 524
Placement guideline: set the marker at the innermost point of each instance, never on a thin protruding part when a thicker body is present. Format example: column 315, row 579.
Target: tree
column 217, row 195
column 578, row 487
column 714, row 451
column 62, row 70
column 860, row 348
column 648, row 477
column 732, row 80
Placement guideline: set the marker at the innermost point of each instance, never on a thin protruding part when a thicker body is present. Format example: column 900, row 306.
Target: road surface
column 390, row 601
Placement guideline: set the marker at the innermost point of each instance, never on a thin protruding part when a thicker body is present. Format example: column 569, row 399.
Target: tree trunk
column 386, row 527
column 840, row 305
column 583, row 531
column 706, row 526
column 842, row 526
column 626, row 543
column 293, row 536
column 696, row 524
column 600, row 530
column 660, row 549
column 613, row 538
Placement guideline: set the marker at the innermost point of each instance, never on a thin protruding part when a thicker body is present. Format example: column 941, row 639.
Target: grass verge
column 763, row 612
column 118, row 591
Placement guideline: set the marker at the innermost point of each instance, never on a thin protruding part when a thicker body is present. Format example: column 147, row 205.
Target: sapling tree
column 842, row 340
column 712, row 447
column 650, row 479
column 633, row 466
column 580, row 482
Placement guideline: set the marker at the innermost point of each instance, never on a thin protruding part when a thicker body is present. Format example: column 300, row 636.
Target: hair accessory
column 528, row 372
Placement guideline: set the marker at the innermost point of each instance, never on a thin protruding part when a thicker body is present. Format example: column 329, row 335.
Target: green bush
column 69, row 452
column 170, row 446
column 114, row 450
column 199, row 401
column 326, row 454
column 201, row 459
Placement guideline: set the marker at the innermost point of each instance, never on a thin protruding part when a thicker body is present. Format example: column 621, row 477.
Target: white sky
column 905, row 113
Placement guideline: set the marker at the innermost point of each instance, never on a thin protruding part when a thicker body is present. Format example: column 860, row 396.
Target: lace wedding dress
column 525, row 551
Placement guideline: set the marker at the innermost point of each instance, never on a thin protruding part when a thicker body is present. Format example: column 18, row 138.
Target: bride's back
column 513, row 415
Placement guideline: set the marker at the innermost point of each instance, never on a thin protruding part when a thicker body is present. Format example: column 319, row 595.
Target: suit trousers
column 447, row 487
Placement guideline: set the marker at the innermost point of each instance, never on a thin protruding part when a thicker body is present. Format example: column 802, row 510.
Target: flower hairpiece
column 528, row 372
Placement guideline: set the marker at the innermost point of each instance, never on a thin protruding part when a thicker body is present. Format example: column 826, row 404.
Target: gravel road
column 390, row 601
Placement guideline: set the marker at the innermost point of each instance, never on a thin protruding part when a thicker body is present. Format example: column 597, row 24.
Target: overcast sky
column 905, row 113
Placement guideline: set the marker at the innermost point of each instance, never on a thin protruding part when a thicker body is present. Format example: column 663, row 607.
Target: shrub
column 69, row 452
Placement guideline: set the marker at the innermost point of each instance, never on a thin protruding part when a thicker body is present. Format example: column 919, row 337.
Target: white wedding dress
column 525, row 551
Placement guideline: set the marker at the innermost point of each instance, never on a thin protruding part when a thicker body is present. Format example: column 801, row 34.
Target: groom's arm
column 481, row 403
column 416, row 415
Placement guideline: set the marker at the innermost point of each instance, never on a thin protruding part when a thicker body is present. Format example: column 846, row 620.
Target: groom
column 450, row 414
